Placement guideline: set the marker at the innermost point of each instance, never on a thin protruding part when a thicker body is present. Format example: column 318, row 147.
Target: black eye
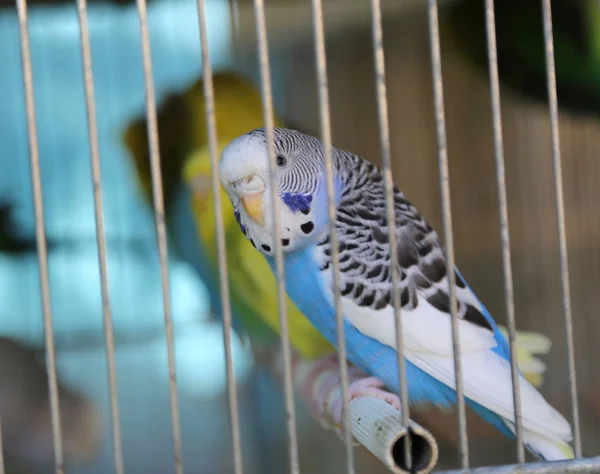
column 281, row 161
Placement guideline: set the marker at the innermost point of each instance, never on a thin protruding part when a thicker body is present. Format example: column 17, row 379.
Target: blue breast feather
column 304, row 288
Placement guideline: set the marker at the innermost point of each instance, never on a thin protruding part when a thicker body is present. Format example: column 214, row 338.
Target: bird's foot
column 366, row 386
column 322, row 391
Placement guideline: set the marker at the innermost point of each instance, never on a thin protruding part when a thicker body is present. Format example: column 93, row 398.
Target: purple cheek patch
column 298, row 202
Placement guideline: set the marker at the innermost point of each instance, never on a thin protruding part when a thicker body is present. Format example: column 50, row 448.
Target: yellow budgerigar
column 190, row 209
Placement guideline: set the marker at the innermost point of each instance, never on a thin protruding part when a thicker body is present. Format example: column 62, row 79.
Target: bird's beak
column 251, row 190
column 253, row 205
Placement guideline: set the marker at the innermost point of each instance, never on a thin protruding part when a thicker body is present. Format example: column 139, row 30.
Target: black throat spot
column 307, row 227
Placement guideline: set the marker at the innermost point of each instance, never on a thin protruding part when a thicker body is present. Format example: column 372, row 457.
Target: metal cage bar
column 509, row 299
column 88, row 77
column 161, row 233
column 234, row 13
column 325, row 118
column 2, row 468
column 560, row 218
column 267, row 102
column 211, row 124
column 40, row 232
column 576, row 466
column 386, row 154
column 440, row 125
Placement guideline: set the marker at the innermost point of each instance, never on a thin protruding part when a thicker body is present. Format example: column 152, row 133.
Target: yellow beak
column 253, row 205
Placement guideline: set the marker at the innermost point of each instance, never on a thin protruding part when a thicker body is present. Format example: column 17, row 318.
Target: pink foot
column 322, row 391
column 364, row 387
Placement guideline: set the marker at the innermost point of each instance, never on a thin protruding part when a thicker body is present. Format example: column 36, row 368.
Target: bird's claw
column 363, row 387
column 322, row 390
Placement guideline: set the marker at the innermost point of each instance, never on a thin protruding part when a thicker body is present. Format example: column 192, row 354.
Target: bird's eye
column 281, row 161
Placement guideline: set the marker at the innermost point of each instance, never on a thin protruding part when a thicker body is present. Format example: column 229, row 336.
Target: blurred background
column 133, row 266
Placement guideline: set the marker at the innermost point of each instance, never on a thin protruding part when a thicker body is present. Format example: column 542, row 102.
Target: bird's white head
column 244, row 171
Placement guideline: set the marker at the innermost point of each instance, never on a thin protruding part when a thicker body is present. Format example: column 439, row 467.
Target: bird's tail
column 547, row 449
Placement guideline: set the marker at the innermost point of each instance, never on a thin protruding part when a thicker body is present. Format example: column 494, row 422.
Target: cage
column 99, row 252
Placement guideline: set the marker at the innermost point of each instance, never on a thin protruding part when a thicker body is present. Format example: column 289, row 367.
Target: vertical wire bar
column 325, row 118
column 159, row 215
column 384, row 139
column 267, row 99
column 440, row 123
column 560, row 217
column 88, row 76
column 2, row 469
column 209, row 99
column 40, row 233
column 509, row 300
column 234, row 15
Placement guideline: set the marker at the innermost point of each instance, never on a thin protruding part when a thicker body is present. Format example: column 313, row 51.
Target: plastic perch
column 376, row 424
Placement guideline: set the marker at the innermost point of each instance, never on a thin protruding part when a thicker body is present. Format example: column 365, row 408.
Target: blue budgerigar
column 366, row 287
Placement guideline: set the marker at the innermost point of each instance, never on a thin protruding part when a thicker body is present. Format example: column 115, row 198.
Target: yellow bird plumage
column 185, row 157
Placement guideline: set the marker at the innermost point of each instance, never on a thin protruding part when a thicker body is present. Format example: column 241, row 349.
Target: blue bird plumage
column 366, row 288
column 306, row 290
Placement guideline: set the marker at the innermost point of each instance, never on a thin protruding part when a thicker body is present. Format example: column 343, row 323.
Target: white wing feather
column 426, row 329
column 486, row 375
